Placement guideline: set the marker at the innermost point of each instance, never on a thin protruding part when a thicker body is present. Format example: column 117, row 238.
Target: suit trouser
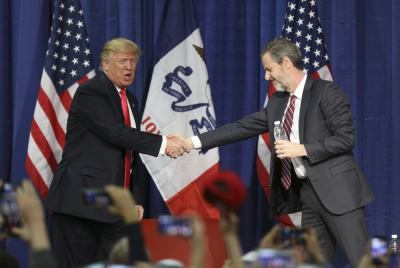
column 348, row 230
column 78, row 241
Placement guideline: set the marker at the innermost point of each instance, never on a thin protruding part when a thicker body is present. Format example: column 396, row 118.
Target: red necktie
column 128, row 153
column 286, row 179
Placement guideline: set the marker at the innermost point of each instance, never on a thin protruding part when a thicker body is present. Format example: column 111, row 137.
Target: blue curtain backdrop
column 363, row 40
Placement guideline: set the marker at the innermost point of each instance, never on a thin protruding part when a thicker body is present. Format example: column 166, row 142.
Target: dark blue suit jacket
column 327, row 131
column 96, row 141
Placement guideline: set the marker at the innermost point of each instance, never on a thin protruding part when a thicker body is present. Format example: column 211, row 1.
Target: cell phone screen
column 171, row 225
column 379, row 247
column 96, row 197
column 9, row 208
column 271, row 258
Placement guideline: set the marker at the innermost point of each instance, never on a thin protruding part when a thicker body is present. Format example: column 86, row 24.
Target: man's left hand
column 287, row 149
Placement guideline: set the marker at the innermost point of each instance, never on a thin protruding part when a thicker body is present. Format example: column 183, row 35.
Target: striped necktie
column 286, row 179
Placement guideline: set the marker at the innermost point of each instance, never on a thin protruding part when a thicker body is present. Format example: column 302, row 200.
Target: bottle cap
column 277, row 123
column 394, row 235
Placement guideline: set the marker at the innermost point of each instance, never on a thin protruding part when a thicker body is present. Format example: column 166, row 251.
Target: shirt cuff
column 163, row 146
column 196, row 142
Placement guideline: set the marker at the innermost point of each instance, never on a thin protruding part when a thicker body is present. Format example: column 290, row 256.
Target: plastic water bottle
column 279, row 131
column 394, row 245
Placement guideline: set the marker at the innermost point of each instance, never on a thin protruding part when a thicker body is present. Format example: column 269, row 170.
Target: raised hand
column 124, row 204
column 272, row 239
column 33, row 229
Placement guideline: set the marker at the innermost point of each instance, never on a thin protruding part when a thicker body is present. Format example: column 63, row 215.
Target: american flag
column 302, row 26
column 68, row 63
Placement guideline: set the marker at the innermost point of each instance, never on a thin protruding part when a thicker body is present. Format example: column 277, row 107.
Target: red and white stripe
column 47, row 136
column 180, row 181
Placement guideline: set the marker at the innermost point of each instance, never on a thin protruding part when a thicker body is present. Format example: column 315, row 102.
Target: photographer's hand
column 197, row 242
column 33, row 229
column 229, row 222
column 368, row 262
column 272, row 239
column 123, row 204
column 313, row 247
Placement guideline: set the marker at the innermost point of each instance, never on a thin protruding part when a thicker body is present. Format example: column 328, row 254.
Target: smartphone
column 9, row 208
column 379, row 248
column 96, row 197
column 177, row 226
column 292, row 236
column 272, row 258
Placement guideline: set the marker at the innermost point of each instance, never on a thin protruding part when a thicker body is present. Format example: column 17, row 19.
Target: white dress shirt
column 133, row 124
column 295, row 134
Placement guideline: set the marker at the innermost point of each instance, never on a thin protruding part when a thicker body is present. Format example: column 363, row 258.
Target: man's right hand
column 123, row 204
column 177, row 146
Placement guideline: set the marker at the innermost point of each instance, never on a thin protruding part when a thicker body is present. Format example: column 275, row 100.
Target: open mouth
column 127, row 77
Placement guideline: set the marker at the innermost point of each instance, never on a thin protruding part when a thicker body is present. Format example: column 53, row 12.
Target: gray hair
column 281, row 47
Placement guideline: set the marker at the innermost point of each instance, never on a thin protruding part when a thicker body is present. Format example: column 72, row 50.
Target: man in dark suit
column 323, row 180
column 103, row 140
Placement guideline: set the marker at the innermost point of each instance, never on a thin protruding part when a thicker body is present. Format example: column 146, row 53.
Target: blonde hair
column 119, row 45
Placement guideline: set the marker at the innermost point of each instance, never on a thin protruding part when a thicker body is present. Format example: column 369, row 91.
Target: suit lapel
column 281, row 105
column 112, row 93
column 303, row 108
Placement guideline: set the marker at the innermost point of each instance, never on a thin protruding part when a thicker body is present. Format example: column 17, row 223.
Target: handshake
column 177, row 146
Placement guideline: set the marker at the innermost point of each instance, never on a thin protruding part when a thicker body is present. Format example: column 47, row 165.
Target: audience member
column 7, row 260
column 125, row 206
column 197, row 258
column 229, row 223
column 304, row 245
column 367, row 261
column 33, row 227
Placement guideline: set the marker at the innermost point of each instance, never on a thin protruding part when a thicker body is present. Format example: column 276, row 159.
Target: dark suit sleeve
column 245, row 128
column 335, row 109
column 96, row 111
column 42, row 258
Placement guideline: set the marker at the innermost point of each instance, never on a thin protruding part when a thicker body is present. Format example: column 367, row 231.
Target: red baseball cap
column 225, row 187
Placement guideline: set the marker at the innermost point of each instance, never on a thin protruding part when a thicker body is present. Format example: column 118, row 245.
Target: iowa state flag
column 179, row 101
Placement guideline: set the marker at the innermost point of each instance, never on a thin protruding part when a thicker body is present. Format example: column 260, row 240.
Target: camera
column 379, row 248
column 292, row 236
column 96, row 197
column 9, row 208
column 176, row 226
